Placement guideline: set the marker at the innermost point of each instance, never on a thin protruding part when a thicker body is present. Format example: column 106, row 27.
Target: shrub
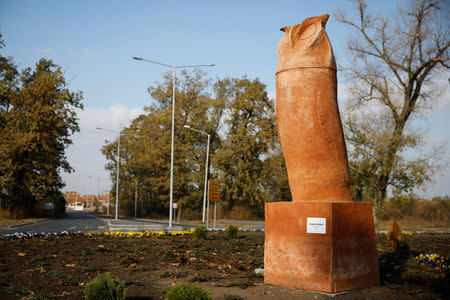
column 232, row 231
column 187, row 291
column 105, row 287
column 200, row 232
column 394, row 236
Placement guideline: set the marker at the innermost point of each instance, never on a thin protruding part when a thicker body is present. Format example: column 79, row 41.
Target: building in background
column 89, row 202
column 73, row 201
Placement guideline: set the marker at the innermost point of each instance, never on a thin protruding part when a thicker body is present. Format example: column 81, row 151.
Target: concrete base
column 343, row 257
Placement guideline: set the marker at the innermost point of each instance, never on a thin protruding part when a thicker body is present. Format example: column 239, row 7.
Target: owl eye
column 301, row 32
column 307, row 32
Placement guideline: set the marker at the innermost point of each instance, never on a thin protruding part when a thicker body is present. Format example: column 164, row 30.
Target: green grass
column 17, row 290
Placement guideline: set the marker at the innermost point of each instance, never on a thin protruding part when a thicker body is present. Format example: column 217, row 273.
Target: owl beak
column 285, row 28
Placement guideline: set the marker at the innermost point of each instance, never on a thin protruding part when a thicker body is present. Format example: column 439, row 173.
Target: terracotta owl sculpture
column 309, row 125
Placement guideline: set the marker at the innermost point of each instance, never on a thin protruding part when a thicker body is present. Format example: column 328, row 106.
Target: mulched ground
column 60, row 267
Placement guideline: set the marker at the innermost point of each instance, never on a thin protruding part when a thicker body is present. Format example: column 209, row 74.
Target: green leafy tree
column 244, row 150
column 37, row 117
column 147, row 155
column 249, row 138
column 275, row 179
column 393, row 66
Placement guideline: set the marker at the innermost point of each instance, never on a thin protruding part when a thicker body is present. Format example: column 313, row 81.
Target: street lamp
column 174, row 71
column 206, row 169
column 135, row 188
column 118, row 165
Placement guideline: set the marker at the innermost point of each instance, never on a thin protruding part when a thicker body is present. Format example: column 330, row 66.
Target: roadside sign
column 175, row 205
column 214, row 186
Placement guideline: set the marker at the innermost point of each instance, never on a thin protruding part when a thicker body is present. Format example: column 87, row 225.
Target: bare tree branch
column 394, row 62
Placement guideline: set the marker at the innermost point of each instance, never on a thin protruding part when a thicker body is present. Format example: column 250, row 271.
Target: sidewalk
column 220, row 224
column 12, row 223
column 140, row 224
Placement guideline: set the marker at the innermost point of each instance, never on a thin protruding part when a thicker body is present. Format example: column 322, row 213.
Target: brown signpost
column 213, row 195
column 214, row 186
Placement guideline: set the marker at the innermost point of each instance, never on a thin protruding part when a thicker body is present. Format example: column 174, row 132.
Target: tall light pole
column 174, row 78
column 135, row 198
column 135, row 188
column 206, row 169
column 118, row 165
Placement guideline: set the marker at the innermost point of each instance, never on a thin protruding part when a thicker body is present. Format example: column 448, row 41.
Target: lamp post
column 174, row 78
column 107, row 209
column 118, row 165
column 135, row 198
column 136, row 188
column 206, row 169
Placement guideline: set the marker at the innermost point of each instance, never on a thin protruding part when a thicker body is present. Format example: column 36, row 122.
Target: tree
column 393, row 65
column 244, row 151
column 275, row 179
column 147, row 155
column 37, row 117
column 250, row 137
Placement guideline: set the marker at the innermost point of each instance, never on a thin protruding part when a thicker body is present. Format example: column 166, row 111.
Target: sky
column 94, row 42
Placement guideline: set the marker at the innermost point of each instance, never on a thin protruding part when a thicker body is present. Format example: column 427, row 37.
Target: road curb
column 20, row 225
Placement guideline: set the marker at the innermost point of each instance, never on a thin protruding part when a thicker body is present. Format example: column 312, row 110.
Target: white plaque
column 316, row 225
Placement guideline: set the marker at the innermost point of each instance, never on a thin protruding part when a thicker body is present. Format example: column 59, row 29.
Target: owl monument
column 322, row 240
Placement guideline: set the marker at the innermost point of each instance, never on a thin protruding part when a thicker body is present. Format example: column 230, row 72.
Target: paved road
column 87, row 222
column 75, row 221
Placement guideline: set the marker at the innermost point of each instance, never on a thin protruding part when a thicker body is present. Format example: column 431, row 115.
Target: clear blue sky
column 94, row 41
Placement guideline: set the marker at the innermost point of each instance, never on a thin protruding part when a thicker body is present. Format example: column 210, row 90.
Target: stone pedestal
column 336, row 251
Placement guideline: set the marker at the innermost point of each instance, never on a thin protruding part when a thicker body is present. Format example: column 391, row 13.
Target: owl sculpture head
column 306, row 45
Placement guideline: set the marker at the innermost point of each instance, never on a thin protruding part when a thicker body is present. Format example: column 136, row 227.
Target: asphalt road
column 74, row 222
column 88, row 222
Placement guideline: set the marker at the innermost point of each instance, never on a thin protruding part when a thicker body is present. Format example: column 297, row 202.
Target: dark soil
column 60, row 267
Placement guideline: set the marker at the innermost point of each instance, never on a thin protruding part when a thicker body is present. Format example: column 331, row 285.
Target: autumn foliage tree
column 393, row 64
column 244, row 150
column 147, row 155
column 37, row 117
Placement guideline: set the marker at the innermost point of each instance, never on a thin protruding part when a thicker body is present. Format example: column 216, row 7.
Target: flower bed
column 434, row 260
column 140, row 234
column 25, row 235
column 131, row 234
column 405, row 233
